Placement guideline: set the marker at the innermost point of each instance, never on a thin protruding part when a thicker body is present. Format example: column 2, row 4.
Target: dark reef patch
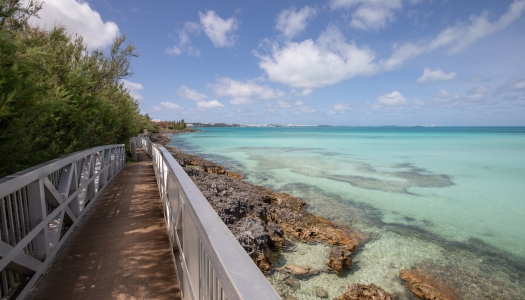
column 402, row 180
column 409, row 219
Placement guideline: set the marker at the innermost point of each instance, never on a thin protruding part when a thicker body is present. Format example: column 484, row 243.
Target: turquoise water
column 450, row 201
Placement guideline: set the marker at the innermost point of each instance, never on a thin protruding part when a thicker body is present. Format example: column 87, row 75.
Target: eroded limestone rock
column 297, row 270
column 340, row 258
column 426, row 287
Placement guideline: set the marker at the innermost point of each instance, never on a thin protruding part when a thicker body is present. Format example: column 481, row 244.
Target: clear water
column 450, row 201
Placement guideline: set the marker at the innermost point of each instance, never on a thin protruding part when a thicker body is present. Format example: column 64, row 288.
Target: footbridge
column 90, row 226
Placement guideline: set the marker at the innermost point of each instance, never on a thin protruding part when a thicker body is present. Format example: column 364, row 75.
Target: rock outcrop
column 297, row 270
column 204, row 165
column 293, row 283
column 253, row 237
column 425, row 286
column 340, row 258
column 266, row 214
column 371, row 291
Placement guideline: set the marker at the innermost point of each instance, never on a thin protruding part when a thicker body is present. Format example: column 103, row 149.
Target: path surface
column 120, row 250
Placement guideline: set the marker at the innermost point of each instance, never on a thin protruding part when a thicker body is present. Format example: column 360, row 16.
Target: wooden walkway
column 120, row 250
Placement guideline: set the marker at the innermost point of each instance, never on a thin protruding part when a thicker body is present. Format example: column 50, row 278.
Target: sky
column 335, row 62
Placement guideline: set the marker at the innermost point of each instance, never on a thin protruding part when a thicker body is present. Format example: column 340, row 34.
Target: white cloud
column 244, row 92
column 474, row 96
column 79, row 18
column 513, row 85
column 156, row 108
column 174, row 50
column 307, row 109
column 477, row 94
column 219, row 31
column 193, row 27
column 458, row 37
column 369, row 14
column 394, row 99
column 520, row 85
column 418, row 103
column 184, row 43
column 202, row 105
column 309, row 64
column 445, row 98
column 306, row 92
column 402, row 53
column 284, row 104
column 342, row 107
column 134, row 89
column 170, row 105
column 188, row 93
column 436, row 75
column 291, row 22
column 301, row 107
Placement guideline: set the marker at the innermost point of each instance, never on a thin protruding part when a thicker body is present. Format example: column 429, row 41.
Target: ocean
column 446, row 200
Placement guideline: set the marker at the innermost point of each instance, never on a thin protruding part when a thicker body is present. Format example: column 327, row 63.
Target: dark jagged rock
column 279, row 213
column 253, row 237
column 159, row 138
column 276, row 234
column 426, row 287
column 204, row 165
column 371, row 291
column 340, row 258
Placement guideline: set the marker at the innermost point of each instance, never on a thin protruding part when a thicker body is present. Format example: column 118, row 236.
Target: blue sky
column 336, row 62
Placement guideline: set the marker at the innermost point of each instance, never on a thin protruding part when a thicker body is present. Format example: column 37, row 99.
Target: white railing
column 42, row 205
column 209, row 261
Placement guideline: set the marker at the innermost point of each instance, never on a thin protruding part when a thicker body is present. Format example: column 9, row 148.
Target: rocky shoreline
column 262, row 220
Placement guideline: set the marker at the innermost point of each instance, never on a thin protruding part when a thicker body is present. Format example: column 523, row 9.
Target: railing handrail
column 18, row 180
column 41, row 206
column 237, row 274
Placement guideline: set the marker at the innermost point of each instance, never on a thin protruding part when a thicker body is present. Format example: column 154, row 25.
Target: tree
column 56, row 97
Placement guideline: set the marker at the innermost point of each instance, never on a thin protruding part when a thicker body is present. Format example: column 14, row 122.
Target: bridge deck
column 120, row 250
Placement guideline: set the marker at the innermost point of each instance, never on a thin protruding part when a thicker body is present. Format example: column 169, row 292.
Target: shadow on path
column 120, row 250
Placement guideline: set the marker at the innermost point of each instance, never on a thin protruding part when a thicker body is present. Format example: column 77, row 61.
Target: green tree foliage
column 177, row 125
column 56, row 97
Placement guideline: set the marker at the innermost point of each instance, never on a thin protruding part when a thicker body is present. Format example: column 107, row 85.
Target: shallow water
column 448, row 200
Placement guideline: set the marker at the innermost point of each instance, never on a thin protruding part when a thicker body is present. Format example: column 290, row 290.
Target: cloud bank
column 313, row 64
column 77, row 17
